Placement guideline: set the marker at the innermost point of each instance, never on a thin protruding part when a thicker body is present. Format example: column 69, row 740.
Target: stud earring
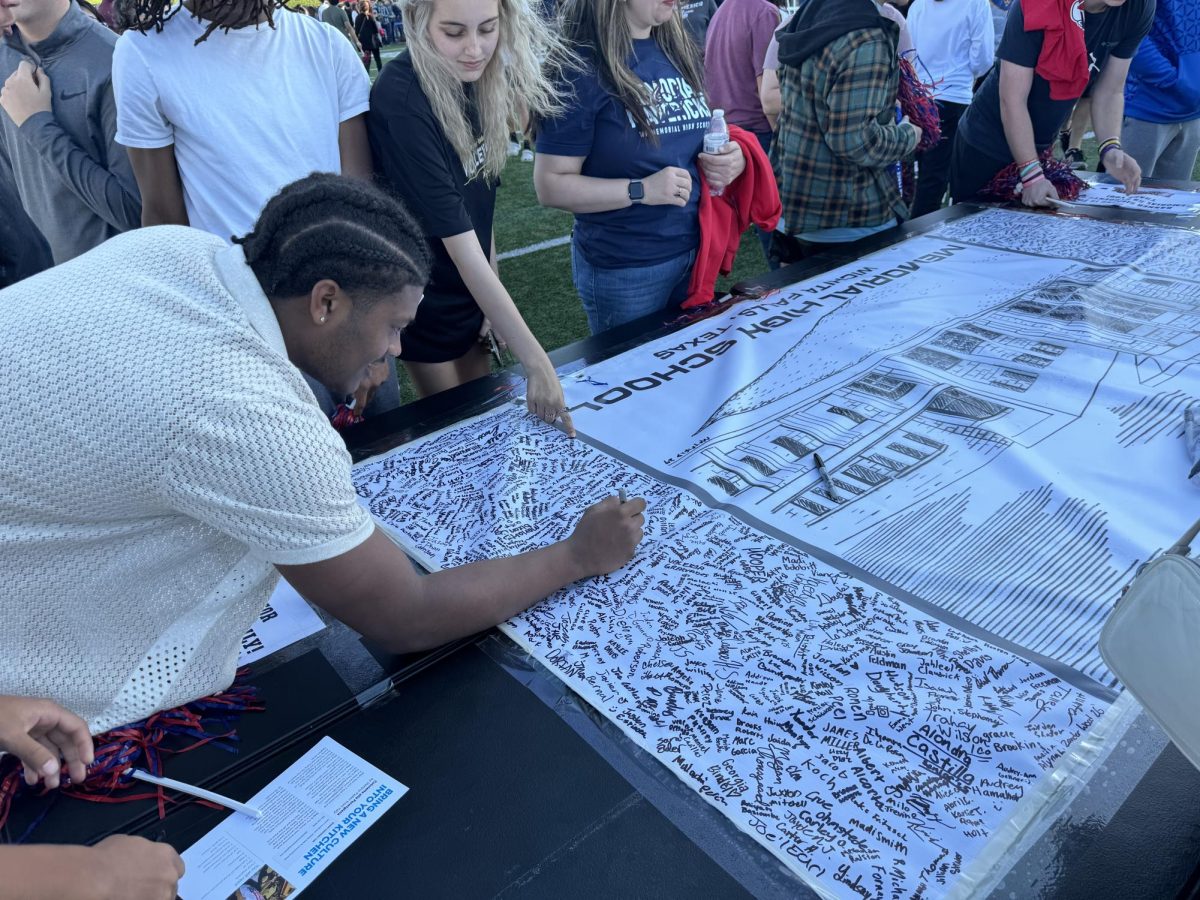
column 322, row 318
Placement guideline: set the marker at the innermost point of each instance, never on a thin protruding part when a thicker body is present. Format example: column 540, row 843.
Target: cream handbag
column 1152, row 643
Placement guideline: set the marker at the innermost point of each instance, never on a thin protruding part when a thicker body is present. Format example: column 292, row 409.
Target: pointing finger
column 568, row 425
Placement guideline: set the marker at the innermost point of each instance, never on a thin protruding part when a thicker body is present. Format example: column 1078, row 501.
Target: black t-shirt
column 413, row 155
column 23, row 250
column 1115, row 32
column 367, row 29
column 696, row 15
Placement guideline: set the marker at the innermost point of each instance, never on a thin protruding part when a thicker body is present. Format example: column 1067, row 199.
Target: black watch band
column 637, row 193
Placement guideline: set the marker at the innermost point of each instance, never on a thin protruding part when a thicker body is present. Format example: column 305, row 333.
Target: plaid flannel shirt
column 838, row 142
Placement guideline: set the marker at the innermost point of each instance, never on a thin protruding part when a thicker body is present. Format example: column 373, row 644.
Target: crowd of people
column 619, row 96
column 245, row 234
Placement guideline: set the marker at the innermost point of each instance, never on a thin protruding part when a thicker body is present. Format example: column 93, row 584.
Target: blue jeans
column 612, row 297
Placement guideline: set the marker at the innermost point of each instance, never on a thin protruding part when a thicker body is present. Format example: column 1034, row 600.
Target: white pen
column 622, row 496
column 194, row 791
column 1062, row 204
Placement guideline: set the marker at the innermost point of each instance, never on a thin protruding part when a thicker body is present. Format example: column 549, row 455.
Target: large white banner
column 872, row 748
column 999, row 405
column 1147, row 199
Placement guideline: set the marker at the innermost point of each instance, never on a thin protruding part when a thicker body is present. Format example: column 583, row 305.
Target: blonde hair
column 599, row 30
column 516, row 81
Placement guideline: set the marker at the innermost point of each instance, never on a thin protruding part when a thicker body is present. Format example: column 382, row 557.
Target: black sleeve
column 411, row 153
column 1139, row 28
column 23, row 250
column 1018, row 45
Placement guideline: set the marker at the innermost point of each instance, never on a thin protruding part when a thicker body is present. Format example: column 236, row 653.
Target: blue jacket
column 1164, row 77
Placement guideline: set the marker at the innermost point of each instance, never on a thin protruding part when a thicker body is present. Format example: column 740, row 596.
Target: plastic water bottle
column 715, row 138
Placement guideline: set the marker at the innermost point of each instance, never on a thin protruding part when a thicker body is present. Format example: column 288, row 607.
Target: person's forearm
column 1018, row 130
column 467, row 599
column 164, row 213
column 582, row 193
column 159, row 183
column 472, row 598
column 872, row 145
column 100, row 190
column 854, row 106
column 1108, row 112
column 47, row 872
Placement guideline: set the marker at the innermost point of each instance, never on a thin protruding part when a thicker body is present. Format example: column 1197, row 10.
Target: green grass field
column 540, row 282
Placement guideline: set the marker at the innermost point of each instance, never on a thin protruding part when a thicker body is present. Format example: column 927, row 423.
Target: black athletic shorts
column 446, row 327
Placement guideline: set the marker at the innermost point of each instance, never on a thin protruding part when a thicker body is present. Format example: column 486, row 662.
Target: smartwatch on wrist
column 637, row 193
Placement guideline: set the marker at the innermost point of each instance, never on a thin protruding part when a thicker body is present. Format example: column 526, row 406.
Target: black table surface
column 516, row 787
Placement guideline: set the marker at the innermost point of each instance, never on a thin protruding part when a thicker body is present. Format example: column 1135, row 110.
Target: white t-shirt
column 904, row 42
column 161, row 455
column 247, row 111
column 999, row 20
column 954, row 41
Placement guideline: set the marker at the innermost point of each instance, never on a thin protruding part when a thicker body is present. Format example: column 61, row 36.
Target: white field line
column 534, row 248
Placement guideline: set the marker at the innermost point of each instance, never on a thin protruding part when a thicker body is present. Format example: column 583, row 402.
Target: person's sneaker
column 514, row 148
column 1064, row 140
column 1074, row 158
column 526, row 155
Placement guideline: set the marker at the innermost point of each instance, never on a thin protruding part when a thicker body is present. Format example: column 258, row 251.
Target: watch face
column 636, row 191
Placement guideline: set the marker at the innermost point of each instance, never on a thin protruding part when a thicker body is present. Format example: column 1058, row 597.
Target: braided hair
column 343, row 229
column 142, row 15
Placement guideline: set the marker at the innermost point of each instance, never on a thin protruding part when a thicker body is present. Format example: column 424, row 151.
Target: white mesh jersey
column 160, row 455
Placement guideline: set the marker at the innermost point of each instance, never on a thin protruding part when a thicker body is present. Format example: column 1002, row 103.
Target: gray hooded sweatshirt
column 73, row 179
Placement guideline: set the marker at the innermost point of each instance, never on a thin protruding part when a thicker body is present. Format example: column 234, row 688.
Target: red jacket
column 753, row 197
column 1064, row 58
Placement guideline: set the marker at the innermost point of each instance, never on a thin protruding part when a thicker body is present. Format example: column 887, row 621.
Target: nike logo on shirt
column 63, row 95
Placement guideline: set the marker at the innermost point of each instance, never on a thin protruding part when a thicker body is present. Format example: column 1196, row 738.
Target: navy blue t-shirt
column 597, row 127
column 1116, row 31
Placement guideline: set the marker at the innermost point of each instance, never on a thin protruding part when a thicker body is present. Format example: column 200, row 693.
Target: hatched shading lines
column 1050, row 594
column 1151, row 417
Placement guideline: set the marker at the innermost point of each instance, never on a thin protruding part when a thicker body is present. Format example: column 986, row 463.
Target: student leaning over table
column 1043, row 69
column 149, row 511
column 47, row 739
column 623, row 155
column 440, row 118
